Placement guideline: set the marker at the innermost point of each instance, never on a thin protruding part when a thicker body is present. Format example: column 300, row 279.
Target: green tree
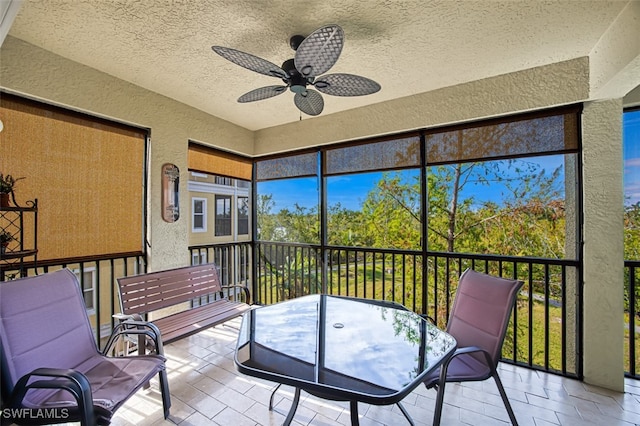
column 266, row 221
column 346, row 228
column 526, row 223
column 391, row 213
column 632, row 231
column 300, row 225
column 632, row 252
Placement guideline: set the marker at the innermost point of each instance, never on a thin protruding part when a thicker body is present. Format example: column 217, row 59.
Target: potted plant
column 5, row 239
column 7, row 182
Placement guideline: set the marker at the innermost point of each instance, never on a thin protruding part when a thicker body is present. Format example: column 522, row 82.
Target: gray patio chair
column 478, row 321
column 52, row 369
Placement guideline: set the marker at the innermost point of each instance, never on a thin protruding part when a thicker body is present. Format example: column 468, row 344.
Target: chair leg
column 164, row 390
column 503, row 394
column 272, row 395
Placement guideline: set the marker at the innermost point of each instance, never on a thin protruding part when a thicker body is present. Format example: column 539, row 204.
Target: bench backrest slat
column 141, row 294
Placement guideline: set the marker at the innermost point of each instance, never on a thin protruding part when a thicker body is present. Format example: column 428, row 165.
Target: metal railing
column 545, row 330
column 232, row 259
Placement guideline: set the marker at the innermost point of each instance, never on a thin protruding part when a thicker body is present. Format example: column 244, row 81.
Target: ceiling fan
column 315, row 55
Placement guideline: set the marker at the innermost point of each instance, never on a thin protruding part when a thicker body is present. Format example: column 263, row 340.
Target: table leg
column 406, row 413
column 440, row 397
column 353, row 407
column 294, row 407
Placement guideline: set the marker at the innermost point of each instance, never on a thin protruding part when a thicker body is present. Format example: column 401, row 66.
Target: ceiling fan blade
column 310, row 102
column 250, row 62
column 346, row 85
column 319, row 51
column 262, row 93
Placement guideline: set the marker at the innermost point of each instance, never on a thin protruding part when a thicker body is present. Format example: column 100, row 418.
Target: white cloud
column 632, row 162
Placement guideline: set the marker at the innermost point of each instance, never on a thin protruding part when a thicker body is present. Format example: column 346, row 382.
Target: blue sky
column 351, row 190
column 631, row 135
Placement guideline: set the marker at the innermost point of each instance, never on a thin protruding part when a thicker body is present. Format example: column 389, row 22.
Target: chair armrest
column 69, row 380
column 245, row 290
column 139, row 328
column 472, row 349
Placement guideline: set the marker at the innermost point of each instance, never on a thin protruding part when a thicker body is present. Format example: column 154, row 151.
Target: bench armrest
column 69, row 380
column 142, row 329
column 245, row 290
column 124, row 317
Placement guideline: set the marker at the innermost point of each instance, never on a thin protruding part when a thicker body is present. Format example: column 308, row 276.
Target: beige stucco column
column 603, row 244
column 571, row 249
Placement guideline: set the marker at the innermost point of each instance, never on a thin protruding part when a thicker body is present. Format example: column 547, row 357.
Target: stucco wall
column 26, row 69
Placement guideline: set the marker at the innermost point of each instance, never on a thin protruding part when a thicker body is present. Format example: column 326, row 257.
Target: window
column 243, row 215
column 198, row 258
column 199, row 215
column 87, row 279
column 513, row 207
column 221, row 180
column 223, row 215
column 287, row 205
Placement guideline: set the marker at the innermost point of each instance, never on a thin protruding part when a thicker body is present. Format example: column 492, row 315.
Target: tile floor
column 206, row 389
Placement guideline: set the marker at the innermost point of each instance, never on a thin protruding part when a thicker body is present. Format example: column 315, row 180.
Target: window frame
column 242, row 218
column 227, row 220
column 82, row 283
column 204, row 215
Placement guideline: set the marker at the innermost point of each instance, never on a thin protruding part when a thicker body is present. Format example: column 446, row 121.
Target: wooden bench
column 146, row 293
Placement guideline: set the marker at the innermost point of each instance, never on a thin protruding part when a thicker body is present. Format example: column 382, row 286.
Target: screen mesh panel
column 385, row 155
column 299, row 165
column 553, row 133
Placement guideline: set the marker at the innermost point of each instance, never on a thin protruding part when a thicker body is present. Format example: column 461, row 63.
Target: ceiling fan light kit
column 315, row 55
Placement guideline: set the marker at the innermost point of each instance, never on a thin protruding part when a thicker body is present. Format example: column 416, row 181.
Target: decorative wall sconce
column 170, row 192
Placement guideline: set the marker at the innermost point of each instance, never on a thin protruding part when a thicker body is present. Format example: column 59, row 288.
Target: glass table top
column 341, row 345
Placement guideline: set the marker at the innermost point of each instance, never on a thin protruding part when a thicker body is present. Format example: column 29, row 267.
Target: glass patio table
column 341, row 348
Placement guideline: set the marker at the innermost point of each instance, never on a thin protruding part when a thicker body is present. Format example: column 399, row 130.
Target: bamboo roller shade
column 216, row 162
column 86, row 174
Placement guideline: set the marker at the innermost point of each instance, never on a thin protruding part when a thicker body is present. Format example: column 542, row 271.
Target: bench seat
column 147, row 293
column 186, row 323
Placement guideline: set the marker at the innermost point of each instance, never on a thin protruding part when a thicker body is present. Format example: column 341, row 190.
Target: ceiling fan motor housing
column 297, row 82
column 295, row 41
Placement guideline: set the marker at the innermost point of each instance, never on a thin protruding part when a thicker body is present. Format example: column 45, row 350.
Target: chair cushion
column 462, row 368
column 113, row 381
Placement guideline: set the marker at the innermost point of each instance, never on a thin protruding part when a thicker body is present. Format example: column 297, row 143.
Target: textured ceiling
column 408, row 47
